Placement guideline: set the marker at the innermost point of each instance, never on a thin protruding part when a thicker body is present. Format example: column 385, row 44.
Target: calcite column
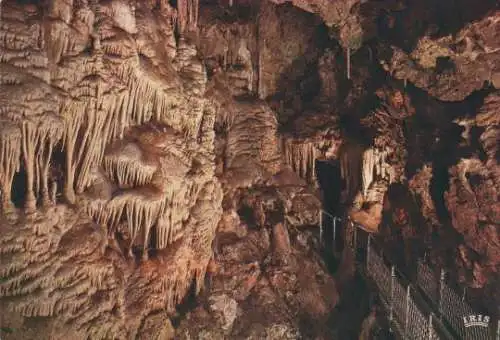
column 29, row 140
column 44, row 170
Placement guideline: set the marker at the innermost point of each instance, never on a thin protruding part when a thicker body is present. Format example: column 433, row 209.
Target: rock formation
column 160, row 161
column 105, row 92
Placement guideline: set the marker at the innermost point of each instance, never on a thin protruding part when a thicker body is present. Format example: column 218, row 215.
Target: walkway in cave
column 356, row 296
column 328, row 175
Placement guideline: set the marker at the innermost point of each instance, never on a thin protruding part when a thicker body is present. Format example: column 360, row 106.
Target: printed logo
column 476, row 320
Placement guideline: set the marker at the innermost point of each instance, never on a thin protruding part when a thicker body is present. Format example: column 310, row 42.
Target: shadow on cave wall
column 403, row 25
column 299, row 84
column 433, row 137
column 330, row 182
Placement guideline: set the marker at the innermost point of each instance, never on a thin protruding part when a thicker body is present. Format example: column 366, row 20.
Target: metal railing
column 451, row 305
column 326, row 221
column 426, row 309
column 410, row 318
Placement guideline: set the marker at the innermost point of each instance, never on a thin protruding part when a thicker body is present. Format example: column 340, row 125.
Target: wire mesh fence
column 451, row 305
column 438, row 316
column 418, row 326
column 411, row 315
column 382, row 274
column 399, row 303
column 427, row 280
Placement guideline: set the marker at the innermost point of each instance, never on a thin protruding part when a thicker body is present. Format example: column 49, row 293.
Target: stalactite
column 96, row 113
column 91, row 148
column 49, row 133
column 369, row 161
column 301, row 157
column 129, row 172
column 10, row 162
column 73, row 121
column 187, row 14
column 29, row 142
column 375, row 168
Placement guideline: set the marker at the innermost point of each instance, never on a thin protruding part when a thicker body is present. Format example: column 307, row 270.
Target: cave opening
column 186, row 305
column 330, row 183
column 246, row 214
column 152, row 242
column 18, row 191
column 57, row 172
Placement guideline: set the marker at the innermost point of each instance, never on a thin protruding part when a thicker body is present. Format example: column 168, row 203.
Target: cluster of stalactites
column 144, row 208
column 350, row 167
column 85, row 132
column 187, row 14
column 301, row 157
column 375, row 167
column 32, row 142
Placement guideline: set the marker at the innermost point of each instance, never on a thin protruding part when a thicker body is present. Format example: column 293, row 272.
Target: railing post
column 442, row 276
column 407, row 311
column 321, row 228
column 498, row 330
column 368, row 242
column 334, row 237
column 429, row 328
column 391, row 306
column 355, row 236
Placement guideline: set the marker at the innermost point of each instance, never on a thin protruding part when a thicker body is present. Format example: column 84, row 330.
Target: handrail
column 437, row 320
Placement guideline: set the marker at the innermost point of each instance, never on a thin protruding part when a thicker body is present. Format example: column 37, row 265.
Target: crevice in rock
column 18, row 194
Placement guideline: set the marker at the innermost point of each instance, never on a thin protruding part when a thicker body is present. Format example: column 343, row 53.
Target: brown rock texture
column 453, row 66
column 255, row 296
column 116, row 152
column 160, row 161
column 107, row 93
column 473, row 200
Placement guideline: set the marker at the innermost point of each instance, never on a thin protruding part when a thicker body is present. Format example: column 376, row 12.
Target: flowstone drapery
column 99, row 112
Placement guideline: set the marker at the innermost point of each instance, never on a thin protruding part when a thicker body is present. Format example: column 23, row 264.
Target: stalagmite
column 53, row 193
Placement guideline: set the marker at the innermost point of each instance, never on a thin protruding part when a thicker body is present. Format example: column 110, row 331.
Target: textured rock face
column 452, row 67
column 272, row 298
column 80, row 83
column 381, row 164
column 473, row 202
column 114, row 146
column 142, row 145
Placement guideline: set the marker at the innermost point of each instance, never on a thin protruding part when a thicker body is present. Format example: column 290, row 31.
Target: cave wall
column 130, row 128
column 120, row 95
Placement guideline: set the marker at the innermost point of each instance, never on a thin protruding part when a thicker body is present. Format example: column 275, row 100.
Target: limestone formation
column 93, row 88
column 162, row 162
